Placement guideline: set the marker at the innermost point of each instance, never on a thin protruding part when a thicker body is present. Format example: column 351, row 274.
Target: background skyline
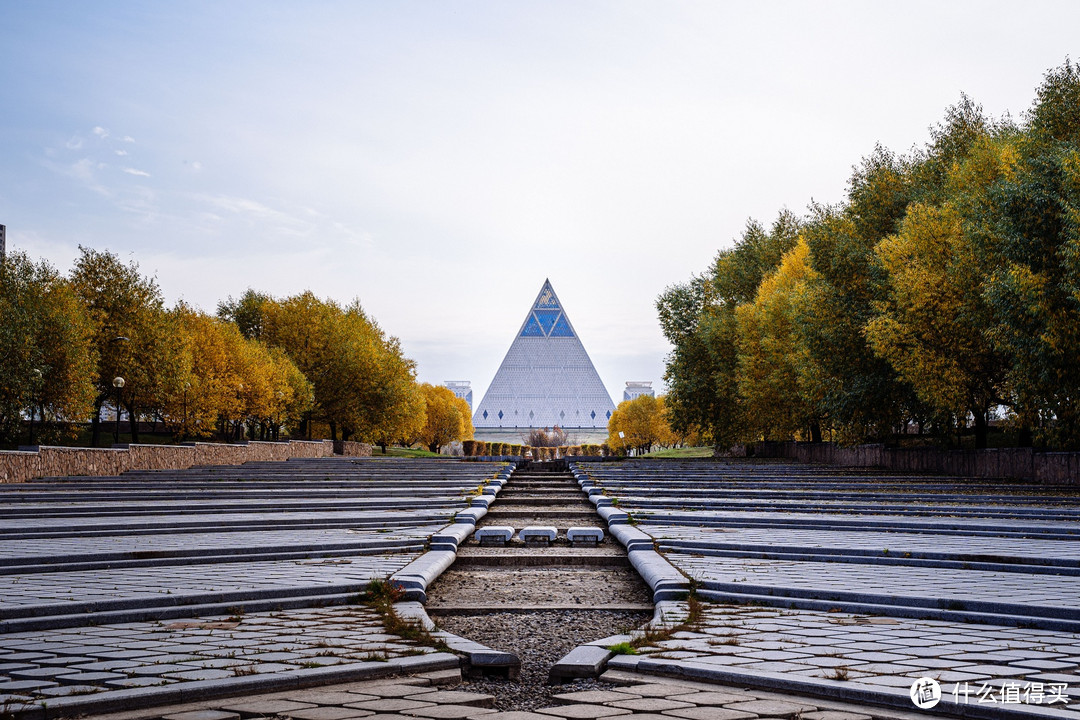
column 438, row 161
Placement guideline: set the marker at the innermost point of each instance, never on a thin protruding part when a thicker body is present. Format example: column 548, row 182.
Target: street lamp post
column 36, row 396
column 183, row 428
column 118, row 383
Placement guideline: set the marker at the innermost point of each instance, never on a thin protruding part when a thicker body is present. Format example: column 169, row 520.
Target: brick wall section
column 1021, row 463
column 18, row 467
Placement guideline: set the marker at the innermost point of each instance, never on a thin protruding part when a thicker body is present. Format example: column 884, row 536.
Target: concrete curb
column 663, row 578
column 417, row 575
column 847, row 690
column 185, row 692
column 478, row 659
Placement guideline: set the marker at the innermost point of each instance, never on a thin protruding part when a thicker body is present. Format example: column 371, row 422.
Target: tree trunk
column 133, row 424
column 980, row 429
column 333, row 430
column 1024, row 438
column 815, row 432
column 433, row 447
column 95, row 423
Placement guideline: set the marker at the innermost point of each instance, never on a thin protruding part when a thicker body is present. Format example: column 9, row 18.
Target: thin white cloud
column 127, row 139
column 121, row 153
column 134, row 171
column 74, row 143
column 101, row 132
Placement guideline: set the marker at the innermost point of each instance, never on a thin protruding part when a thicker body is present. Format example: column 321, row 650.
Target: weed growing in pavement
column 380, row 595
column 243, row 670
column 839, row 673
column 623, row 648
column 692, row 621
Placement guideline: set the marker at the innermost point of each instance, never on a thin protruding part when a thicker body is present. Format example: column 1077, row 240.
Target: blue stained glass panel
column 547, row 318
column 561, row 328
column 532, row 328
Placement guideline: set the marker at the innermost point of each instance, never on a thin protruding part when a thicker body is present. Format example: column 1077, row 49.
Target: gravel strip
column 540, row 639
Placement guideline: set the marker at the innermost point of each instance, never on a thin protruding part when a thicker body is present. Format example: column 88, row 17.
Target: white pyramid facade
column 546, row 378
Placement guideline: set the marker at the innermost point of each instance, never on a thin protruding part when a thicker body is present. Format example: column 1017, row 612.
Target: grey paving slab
column 221, row 655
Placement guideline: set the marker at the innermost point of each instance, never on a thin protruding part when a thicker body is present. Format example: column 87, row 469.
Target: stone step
column 534, row 558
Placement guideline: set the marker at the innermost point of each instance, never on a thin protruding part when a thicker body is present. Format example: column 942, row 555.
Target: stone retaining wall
column 1022, row 463
column 61, row 461
column 352, row 449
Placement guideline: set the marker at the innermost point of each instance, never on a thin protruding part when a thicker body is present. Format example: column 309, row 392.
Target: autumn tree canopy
column 945, row 288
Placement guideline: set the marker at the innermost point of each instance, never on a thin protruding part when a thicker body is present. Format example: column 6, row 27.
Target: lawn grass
column 685, row 452
column 400, row 452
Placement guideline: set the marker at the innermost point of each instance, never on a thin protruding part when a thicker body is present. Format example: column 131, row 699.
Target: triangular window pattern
column 532, row 328
column 561, row 328
column 546, row 318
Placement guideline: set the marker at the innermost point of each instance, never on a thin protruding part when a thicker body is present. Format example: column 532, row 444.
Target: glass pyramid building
column 546, row 378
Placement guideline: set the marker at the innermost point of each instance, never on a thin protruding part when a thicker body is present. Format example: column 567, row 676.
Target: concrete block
column 538, row 534
column 494, row 534
column 584, row 661
column 585, row 535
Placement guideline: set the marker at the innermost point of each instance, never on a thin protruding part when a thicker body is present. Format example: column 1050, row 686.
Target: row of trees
column 309, row 366
column 944, row 289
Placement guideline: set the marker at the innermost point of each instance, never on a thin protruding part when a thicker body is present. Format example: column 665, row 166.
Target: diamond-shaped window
column 500, row 414
column 485, row 414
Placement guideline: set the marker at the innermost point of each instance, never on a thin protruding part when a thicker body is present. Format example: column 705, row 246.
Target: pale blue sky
column 438, row 160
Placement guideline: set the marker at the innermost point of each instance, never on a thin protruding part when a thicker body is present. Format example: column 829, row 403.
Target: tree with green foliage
column 131, row 335
column 46, row 352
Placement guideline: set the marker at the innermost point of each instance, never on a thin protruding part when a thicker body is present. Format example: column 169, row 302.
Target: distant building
column 637, row 389
column 546, row 378
column 461, row 389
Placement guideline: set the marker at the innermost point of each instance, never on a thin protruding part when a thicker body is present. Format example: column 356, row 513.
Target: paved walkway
column 859, row 593
column 440, row 695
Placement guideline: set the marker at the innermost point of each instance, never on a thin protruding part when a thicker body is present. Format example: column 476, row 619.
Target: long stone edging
column 196, row 690
column 415, row 577
column 842, row 690
column 665, row 580
column 477, row 656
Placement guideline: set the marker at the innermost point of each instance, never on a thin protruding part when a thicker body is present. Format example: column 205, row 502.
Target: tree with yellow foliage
column 775, row 400
column 643, row 423
column 447, row 417
column 931, row 328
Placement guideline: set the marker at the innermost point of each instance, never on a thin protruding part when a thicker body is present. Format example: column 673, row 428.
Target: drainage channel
column 538, row 600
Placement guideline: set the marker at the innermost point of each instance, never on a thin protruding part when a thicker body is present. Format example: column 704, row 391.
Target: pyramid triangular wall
column 546, row 378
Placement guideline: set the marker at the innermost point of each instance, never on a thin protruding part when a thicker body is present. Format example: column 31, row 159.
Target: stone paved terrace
column 153, row 585
column 854, row 584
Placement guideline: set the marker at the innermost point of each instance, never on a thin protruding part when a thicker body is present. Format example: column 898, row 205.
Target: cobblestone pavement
column 442, row 695
column 957, row 576
column 869, row 539
column 85, row 589
column 38, row 667
column 82, row 558
column 877, row 652
column 82, row 549
column 957, row 589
